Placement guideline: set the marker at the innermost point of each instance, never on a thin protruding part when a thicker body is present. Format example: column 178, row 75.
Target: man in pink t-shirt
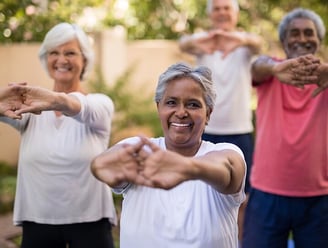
column 290, row 170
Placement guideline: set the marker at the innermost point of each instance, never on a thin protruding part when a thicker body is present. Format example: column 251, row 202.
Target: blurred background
column 134, row 41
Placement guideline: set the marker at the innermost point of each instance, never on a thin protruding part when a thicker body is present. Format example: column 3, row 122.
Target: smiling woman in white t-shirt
column 179, row 191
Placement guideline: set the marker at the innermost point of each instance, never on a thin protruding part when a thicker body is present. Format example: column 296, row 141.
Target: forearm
column 323, row 73
column 254, row 42
column 223, row 170
column 262, row 69
column 67, row 104
column 187, row 44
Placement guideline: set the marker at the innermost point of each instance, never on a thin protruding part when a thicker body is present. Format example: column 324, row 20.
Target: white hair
column 62, row 33
column 209, row 7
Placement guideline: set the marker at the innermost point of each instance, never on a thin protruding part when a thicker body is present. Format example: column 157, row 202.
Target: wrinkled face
column 183, row 114
column 66, row 62
column 224, row 15
column 301, row 38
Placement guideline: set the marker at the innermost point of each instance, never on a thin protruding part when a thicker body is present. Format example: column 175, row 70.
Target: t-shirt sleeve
column 97, row 110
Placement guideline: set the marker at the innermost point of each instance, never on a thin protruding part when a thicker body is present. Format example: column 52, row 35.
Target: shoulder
column 209, row 146
column 99, row 97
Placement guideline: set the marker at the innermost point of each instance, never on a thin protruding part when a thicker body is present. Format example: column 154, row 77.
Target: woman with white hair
column 59, row 203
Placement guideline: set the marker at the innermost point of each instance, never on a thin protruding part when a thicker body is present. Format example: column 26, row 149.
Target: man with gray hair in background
column 289, row 176
column 228, row 53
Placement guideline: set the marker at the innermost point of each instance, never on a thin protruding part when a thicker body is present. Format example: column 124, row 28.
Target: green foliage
column 7, row 170
column 131, row 109
column 29, row 20
column 7, row 186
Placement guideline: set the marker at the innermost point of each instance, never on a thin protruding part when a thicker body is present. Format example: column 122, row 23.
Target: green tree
column 29, row 20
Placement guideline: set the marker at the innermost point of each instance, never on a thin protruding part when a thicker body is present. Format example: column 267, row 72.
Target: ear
column 208, row 114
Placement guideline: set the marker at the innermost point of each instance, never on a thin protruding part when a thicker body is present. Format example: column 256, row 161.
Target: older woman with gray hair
column 179, row 191
column 59, row 203
column 289, row 175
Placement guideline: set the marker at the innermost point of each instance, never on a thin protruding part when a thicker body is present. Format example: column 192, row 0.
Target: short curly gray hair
column 200, row 74
column 301, row 13
column 62, row 33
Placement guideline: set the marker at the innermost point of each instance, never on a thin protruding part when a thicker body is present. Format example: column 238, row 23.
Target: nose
column 62, row 57
column 181, row 112
column 302, row 37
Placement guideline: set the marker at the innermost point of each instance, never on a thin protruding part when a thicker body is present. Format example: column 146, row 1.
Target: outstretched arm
column 219, row 40
column 227, row 42
column 37, row 99
column 298, row 71
column 198, row 44
column 154, row 167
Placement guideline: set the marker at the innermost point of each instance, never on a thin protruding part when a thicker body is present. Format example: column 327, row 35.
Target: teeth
column 303, row 46
column 62, row 69
column 180, row 125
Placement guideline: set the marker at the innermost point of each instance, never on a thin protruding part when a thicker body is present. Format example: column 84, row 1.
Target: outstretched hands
column 18, row 98
column 143, row 163
column 226, row 42
column 298, row 71
column 301, row 71
column 11, row 99
column 36, row 100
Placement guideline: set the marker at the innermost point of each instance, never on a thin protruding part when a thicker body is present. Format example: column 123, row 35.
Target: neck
column 185, row 150
column 68, row 88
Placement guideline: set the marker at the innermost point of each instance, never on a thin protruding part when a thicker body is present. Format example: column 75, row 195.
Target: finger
column 28, row 109
column 318, row 90
column 19, row 84
column 153, row 147
column 13, row 115
column 302, row 80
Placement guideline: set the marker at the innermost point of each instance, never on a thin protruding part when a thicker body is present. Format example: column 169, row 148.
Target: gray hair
column 209, row 6
column 62, row 33
column 200, row 74
column 301, row 13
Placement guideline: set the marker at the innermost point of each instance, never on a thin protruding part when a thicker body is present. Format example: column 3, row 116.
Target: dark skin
column 301, row 66
column 183, row 115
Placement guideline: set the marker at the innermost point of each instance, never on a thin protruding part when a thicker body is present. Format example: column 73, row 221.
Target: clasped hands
column 301, row 71
column 220, row 40
column 143, row 163
column 18, row 98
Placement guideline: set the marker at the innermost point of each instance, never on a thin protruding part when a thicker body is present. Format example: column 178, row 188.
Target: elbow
column 94, row 167
column 236, row 177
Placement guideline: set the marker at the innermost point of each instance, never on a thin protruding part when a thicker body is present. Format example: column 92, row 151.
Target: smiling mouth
column 62, row 69
column 303, row 48
column 180, row 124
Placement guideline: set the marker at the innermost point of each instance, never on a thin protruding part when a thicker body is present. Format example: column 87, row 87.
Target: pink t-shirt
column 291, row 150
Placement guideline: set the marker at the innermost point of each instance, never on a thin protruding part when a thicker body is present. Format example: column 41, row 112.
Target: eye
column 309, row 33
column 170, row 102
column 70, row 54
column 53, row 53
column 194, row 105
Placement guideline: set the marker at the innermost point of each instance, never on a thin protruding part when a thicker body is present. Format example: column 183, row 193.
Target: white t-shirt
column 191, row 215
column 232, row 79
column 55, row 184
